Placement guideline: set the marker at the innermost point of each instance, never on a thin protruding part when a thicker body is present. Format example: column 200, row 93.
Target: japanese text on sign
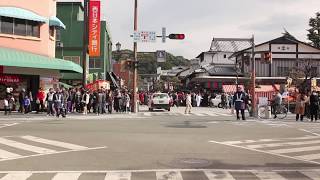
column 94, row 28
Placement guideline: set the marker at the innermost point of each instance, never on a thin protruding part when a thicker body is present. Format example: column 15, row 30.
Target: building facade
column 27, row 46
column 70, row 43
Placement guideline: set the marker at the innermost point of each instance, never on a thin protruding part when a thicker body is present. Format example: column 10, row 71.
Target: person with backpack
column 58, row 102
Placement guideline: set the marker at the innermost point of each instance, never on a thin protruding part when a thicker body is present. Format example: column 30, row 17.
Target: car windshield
column 160, row 96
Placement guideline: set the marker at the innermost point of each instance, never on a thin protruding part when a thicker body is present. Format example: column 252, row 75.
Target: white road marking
column 17, row 176
column 5, row 154
column 268, row 175
column 311, row 174
column 214, row 175
column 118, row 176
column 26, row 147
column 309, row 157
column 212, row 114
column 66, row 176
column 147, row 114
column 271, row 140
column 294, row 150
column 8, row 125
column 316, row 134
column 198, row 114
column 282, row 144
column 169, row 175
column 54, row 143
column 266, row 152
column 222, row 114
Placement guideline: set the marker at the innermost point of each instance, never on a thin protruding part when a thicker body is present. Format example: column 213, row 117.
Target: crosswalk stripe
column 66, row 176
column 147, row 114
column 169, row 175
column 118, row 176
column 17, row 176
column 5, row 154
column 283, row 144
column 198, row 114
column 222, row 114
column 213, row 175
column 311, row 174
column 26, row 147
column 309, row 157
column 54, row 143
column 294, row 150
column 268, row 175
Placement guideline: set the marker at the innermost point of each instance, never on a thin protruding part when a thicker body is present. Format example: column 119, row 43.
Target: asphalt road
column 207, row 144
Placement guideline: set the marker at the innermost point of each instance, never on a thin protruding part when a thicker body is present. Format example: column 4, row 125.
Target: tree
column 302, row 74
column 314, row 31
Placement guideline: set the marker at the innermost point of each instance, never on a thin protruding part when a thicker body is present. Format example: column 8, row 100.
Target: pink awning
column 231, row 88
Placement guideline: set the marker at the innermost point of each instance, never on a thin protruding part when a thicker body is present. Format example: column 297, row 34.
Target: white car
column 159, row 101
column 216, row 102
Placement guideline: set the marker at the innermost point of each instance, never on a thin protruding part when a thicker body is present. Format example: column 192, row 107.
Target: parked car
column 160, row 101
column 216, row 102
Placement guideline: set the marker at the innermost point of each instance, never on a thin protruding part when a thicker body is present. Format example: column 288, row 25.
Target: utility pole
column 135, row 48
column 253, row 79
column 85, row 43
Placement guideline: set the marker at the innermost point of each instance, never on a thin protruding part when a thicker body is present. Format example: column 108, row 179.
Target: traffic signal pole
column 253, row 76
column 85, row 43
column 135, row 71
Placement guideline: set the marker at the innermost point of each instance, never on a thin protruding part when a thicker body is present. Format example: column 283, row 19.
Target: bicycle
column 280, row 113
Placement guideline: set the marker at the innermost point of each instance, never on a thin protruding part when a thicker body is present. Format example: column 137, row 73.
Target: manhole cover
column 191, row 163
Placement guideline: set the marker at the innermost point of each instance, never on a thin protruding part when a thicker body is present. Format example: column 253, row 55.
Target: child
column 27, row 104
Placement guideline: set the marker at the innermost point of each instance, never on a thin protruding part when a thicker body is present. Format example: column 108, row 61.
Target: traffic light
column 177, row 36
column 267, row 57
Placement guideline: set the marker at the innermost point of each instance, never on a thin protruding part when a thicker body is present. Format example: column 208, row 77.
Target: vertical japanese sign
column 94, row 28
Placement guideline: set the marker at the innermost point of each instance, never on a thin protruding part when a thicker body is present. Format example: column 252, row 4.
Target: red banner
column 94, row 28
column 1, row 69
column 9, row 79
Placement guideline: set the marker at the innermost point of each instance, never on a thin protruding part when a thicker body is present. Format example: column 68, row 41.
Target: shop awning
column 67, row 86
column 11, row 57
column 54, row 21
column 20, row 13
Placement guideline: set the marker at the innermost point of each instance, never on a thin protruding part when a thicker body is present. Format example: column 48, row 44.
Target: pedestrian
column 126, row 102
column 22, row 95
column 78, row 98
column 100, row 102
column 109, row 101
column 49, row 99
column 239, row 100
column 223, row 100
column 6, row 105
column 58, row 102
column 188, row 103
column 198, row 99
column 300, row 106
column 40, row 98
column 85, row 102
column 314, row 105
column 27, row 104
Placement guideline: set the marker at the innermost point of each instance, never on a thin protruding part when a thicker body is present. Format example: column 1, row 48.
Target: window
column 51, row 31
column 33, row 29
column 19, row 27
column 58, row 35
column 75, row 59
column 283, row 71
column 95, row 63
column 224, row 56
column 6, row 25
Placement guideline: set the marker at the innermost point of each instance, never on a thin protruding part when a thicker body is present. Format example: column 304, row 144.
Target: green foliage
column 148, row 63
column 314, row 31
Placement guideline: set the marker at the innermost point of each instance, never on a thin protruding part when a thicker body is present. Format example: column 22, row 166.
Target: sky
column 201, row 20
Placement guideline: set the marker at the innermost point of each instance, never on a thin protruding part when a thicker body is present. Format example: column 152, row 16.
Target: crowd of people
column 61, row 101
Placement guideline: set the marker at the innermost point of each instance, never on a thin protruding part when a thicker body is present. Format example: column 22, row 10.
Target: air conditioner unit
column 59, row 44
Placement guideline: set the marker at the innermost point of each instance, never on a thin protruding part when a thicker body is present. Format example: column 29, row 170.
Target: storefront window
column 6, row 25
column 20, row 27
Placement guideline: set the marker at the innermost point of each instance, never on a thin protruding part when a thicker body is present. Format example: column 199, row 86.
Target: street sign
column 161, row 56
column 144, row 36
column 164, row 34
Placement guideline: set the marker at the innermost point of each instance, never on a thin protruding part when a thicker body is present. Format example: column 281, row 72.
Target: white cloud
column 202, row 19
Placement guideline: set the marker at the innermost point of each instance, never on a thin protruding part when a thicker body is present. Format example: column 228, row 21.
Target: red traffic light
column 177, row 36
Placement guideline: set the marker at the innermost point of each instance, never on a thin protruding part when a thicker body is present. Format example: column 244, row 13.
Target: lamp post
column 135, row 49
